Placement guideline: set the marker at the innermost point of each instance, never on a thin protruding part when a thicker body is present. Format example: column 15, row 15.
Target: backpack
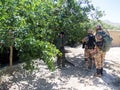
column 106, row 40
column 90, row 43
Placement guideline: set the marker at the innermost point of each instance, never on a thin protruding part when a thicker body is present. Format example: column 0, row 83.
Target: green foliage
column 31, row 26
column 71, row 17
column 24, row 27
column 32, row 49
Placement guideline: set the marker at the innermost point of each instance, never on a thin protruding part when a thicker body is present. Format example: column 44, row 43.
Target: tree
column 31, row 26
column 72, row 17
column 20, row 23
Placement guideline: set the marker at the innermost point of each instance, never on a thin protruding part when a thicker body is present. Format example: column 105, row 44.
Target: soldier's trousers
column 89, row 59
column 99, row 59
column 61, row 59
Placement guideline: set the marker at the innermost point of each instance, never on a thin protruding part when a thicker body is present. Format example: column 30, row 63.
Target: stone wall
column 116, row 38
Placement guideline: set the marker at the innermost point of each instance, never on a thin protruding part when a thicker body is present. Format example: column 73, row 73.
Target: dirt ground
column 69, row 78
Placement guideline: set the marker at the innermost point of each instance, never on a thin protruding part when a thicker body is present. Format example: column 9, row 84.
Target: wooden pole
column 11, row 57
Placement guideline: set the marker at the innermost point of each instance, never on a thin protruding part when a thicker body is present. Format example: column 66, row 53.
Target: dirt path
column 69, row 78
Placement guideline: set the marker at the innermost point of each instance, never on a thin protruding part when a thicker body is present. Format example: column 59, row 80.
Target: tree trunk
column 11, row 56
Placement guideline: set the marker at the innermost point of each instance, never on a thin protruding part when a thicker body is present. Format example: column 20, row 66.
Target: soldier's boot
column 58, row 61
column 86, row 63
column 63, row 62
column 63, row 58
column 98, row 73
column 101, row 71
column 58, row 64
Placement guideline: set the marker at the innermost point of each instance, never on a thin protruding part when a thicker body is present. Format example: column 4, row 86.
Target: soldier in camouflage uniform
column 89, row 59
column 100, row 55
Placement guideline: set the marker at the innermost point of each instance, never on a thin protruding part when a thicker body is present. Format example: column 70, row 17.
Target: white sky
column 111, row 8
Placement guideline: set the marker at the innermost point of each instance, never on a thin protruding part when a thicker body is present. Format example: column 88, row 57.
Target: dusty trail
column 69, row 78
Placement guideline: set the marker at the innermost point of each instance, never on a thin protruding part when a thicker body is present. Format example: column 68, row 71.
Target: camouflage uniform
column 99, row 58
column 89, row 58
column 100, row 54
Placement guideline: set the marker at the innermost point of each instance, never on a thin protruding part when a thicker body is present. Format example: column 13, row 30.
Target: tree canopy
column 31, row 26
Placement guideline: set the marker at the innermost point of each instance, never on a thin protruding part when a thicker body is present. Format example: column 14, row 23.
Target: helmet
column 62, row 33
column 89, row 31
column 98, row 27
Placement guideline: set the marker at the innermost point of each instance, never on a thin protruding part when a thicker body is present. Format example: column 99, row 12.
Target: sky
column 111, row 9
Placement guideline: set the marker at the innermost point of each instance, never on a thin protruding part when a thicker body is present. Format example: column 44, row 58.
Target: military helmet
column 89, row 31
column 62, row 33
column 98, row 27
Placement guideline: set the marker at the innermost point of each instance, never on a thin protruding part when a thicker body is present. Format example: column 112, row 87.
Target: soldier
column 100, row 54
column 60, row 45
column 89, row 44
column 61, row 60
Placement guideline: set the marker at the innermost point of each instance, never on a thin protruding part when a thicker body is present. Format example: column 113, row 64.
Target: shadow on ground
column 43, row 79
